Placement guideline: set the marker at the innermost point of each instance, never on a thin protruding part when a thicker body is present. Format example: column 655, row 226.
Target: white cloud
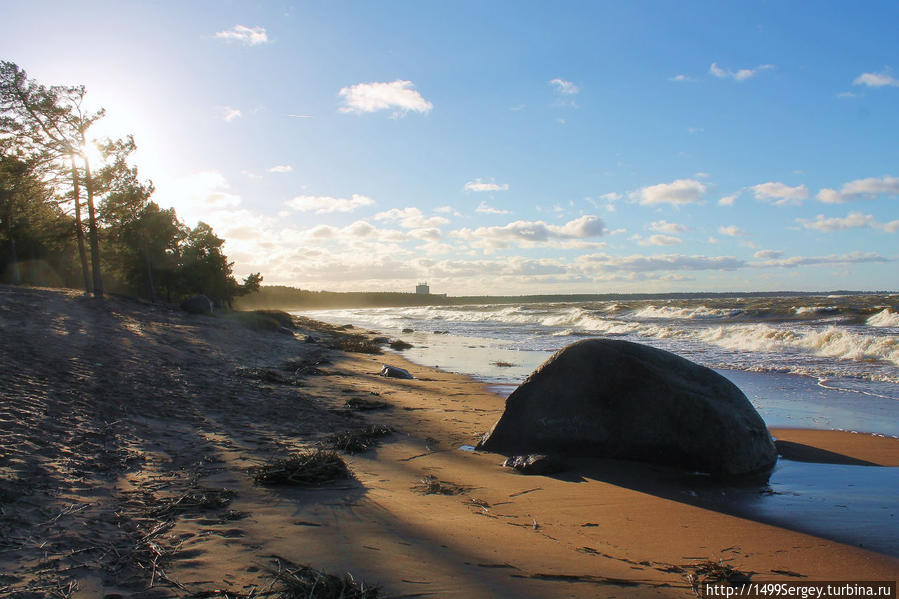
column 478, row 185
column 768, row 254
column 399, row 96
column 727, row 200
column 611, row 196
column 661, row 240
column 883, row 79
column 665, row 262
column 229, row 114
column 281, row 168
column 794, row 261
column 780, row 193
column 694, row 130
column 207, row 190
column 566, row 88
column 427, row 234
column 411, row 218
column 327, row 204
column 663, row 226
column 740, row 74
column 861, row 189
column 732, row 231
column 680, row 192
column 251, row 36
column 681, row 78
column 485, row 209
column 447, row 210
column 529, row 233
column 853, row 220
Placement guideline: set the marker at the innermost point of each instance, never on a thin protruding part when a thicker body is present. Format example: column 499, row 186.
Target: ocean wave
column 830, row 342
column 815, row 310
column 695, row 313
column 884, row 318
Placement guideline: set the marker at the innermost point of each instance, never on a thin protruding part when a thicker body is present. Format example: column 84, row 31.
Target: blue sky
column 505, row 147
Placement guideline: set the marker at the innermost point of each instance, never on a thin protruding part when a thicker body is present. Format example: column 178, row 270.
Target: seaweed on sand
column 431, row 485
column 399, row 344
column 359, row 344
column 359, row 440
column 714, row 572
column 309, row 468
column 363, row 405
column 291, row 581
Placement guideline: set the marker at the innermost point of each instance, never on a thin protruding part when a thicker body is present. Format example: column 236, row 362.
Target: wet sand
column 113, row 410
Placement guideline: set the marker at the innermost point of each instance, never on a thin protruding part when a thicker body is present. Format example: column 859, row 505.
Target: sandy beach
column 129, row 433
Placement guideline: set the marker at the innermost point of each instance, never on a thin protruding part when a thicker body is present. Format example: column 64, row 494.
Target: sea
column 823, row 362
column 827, row 362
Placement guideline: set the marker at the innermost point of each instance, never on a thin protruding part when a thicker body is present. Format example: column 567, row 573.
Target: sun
column 92, row 153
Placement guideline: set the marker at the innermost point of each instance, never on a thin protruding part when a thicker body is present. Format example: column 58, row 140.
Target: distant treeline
column 290, row 298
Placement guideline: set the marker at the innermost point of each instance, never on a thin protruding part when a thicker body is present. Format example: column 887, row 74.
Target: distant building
column 422, row 289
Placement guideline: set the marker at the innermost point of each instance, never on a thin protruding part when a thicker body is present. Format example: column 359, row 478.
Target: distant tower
column 422, row 289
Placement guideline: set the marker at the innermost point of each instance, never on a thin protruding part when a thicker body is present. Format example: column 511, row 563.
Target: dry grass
column 199, row 499
column 310, row 468
column 303, row 582
column 359, row 440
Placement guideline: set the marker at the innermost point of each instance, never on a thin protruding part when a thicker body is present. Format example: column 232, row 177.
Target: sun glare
column 93, row 154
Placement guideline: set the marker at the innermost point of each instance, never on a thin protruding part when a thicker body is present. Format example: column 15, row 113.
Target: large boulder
column 197, row 304
column 609, row 398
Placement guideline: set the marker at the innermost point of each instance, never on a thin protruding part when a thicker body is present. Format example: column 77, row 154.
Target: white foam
column 830, row 342
column 884, row 318
column 672, row 312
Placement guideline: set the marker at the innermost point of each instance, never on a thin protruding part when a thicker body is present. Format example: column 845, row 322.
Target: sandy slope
column 111, row 411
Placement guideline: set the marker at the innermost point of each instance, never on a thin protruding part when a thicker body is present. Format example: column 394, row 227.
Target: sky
column 504, row 147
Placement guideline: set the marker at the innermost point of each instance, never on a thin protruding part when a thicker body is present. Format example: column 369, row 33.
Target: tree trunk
column 79, row 230
column 92, row 229
column 13, row 256
column 151, row 291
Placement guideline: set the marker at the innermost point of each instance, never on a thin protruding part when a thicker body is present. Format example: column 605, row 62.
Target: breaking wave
column 884, row 318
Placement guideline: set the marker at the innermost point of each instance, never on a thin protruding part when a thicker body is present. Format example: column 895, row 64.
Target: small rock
column 394, row 372
column 534, row 463
column 285, row 331
column 408, row 330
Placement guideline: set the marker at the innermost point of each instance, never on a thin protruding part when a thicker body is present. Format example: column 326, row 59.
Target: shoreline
column 117, row 409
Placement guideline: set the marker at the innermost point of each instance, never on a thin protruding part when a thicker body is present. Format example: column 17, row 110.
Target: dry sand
column 128, row 434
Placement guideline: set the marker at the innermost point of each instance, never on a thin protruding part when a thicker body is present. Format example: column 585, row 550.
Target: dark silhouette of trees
column 45, row 125
column 136, row 247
